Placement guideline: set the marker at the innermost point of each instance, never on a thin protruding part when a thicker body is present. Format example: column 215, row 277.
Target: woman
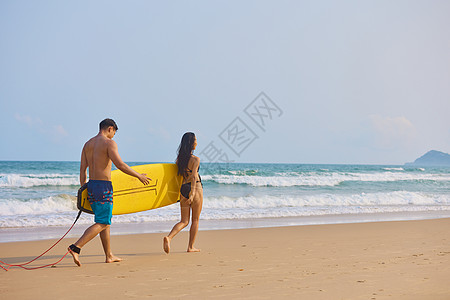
column 191, row 191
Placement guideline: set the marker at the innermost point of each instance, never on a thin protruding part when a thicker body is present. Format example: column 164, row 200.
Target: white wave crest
column 30, row 180
column 322, row 179
column 331, row 200
column 61, row 210
column 49, row 205
column 282, row 181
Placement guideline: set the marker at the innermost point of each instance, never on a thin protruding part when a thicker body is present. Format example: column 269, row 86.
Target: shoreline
column 22, row 234
column 376, row 260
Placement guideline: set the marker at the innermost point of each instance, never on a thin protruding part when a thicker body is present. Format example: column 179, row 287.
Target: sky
column 327, row 82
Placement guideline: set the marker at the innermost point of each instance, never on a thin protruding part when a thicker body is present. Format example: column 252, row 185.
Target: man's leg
column 88, row 235
column 106, row 242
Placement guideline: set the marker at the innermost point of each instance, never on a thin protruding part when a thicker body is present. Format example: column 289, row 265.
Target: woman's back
column 188, row 174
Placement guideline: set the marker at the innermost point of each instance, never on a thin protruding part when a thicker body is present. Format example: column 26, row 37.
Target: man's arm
column 113, row 153
column 83, row 168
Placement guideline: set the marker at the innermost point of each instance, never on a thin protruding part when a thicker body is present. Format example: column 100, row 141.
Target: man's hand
column 144, row 179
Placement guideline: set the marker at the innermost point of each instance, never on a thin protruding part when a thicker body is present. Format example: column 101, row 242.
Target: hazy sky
column 352, row 81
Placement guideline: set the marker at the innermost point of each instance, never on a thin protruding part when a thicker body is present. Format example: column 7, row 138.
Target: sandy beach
column 385, row 260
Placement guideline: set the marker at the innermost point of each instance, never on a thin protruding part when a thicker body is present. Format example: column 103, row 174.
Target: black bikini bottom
column 186, row 189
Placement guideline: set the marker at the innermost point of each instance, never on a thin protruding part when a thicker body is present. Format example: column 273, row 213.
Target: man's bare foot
column 193, row 250
column 112, row 258
column 166, row 244
column 75, row 256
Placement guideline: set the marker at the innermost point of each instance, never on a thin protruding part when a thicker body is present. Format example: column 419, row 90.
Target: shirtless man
column 97, row 155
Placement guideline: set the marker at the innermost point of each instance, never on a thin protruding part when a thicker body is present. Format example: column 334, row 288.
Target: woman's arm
column 194, row 177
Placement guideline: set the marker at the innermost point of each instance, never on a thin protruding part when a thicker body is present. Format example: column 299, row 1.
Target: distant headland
column 432, row 158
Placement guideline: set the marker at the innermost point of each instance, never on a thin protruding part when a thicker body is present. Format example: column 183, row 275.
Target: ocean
column 38, row 199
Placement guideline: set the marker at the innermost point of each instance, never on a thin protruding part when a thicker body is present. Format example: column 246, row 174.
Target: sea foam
column 60, row 210
column 322, row 179
column 31, row 180
column 48, row 205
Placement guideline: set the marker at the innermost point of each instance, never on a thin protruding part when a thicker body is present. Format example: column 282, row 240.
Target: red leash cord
column 34, row 268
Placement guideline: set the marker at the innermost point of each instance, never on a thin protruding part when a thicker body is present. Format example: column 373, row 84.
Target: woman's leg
column 196, row 210
column 185, row 214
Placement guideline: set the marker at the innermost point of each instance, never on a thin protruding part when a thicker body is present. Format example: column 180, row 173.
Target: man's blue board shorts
column 100, row 196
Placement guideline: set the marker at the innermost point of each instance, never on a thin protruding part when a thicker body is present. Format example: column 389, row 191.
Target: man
column 97, row 155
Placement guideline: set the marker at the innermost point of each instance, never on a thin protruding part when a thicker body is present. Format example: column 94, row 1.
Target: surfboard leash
column 44, row 266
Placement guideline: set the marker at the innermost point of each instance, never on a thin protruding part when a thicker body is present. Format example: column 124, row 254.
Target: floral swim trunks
column 100, row 196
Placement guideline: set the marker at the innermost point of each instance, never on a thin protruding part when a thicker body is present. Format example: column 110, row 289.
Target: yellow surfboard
column 130, row 195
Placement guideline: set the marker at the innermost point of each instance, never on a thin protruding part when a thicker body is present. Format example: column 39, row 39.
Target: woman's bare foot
column 166, row 244
column 193, row 250
column 112, row 258
column 75, row 256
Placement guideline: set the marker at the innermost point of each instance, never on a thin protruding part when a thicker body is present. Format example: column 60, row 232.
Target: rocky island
column 432, row 158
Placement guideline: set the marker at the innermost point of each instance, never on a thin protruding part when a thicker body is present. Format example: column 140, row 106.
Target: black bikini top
column 189, row 170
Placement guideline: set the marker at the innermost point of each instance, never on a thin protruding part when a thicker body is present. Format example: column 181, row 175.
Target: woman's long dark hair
column 184, row 152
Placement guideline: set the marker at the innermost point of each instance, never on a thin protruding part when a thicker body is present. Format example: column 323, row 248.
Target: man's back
column 98, row 160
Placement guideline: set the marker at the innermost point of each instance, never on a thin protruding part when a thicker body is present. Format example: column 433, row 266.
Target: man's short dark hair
column 108, row 122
